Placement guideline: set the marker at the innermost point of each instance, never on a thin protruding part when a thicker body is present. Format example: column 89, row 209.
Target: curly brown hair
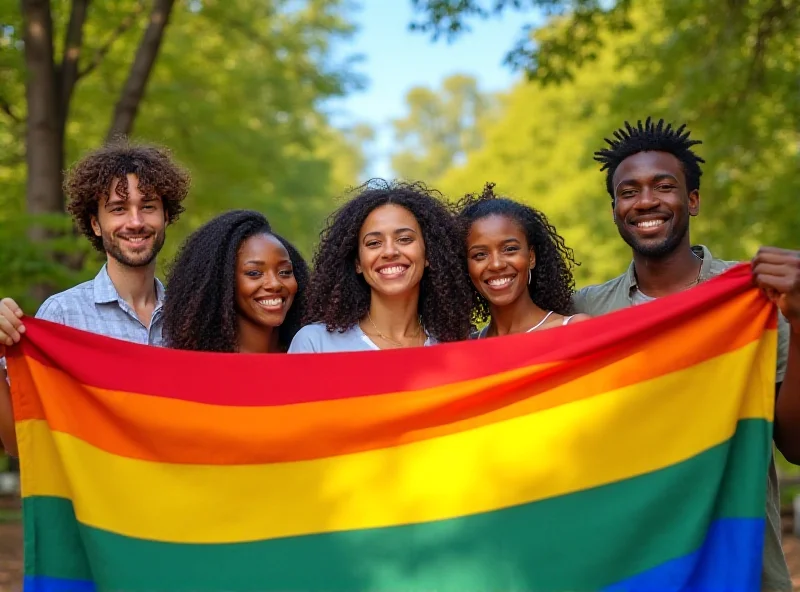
column 91, row 177
column 552, row 283
column 340, row 298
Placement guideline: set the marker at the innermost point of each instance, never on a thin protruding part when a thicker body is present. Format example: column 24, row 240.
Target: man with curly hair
column 122, row 197
column 653, row 178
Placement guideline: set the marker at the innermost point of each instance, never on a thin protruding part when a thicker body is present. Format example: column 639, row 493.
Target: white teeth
column 500, row 281
column 649, row 223
column 391, row 270
column 271, row 302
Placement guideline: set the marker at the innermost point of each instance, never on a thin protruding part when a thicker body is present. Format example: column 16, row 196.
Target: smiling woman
column 519, row 266
column 387, row 274
column 235, row 286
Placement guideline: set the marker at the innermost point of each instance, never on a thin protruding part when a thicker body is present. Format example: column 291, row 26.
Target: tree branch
column 5, row 106
column 128, row 104
column 124, row 25
column 73, row 41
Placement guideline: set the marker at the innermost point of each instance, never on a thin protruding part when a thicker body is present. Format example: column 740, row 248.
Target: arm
column 777, row 272
column 8, row 434
column 787, row 407
column 11, row 331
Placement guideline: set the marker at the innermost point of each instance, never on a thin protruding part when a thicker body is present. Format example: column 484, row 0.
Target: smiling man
column 653, row 178
column 122, row 198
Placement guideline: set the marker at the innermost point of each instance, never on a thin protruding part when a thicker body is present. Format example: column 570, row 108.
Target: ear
column 532, row 262
column 358, row 266
column 427, row 263
column 96, row 226
column 694, row 202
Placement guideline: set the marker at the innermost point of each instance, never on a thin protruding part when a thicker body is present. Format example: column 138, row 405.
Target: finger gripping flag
column 627, row 452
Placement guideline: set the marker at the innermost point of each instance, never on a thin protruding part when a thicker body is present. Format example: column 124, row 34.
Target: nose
column 647, row 199
column 390, row 250
column 272, row 282
column 135, row 218
column 496, row 262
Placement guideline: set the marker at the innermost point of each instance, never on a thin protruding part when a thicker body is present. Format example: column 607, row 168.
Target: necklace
column 393, row 342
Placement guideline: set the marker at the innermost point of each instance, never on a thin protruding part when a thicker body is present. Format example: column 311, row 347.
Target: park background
column 282, row 105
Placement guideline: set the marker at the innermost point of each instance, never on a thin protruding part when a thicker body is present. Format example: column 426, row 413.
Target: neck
column 669, row 274
column 135, row 285
column 396, row 317
column 256, row 339
column 517, row 317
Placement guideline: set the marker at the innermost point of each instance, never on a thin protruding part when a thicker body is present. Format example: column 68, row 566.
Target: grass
column 10, row 516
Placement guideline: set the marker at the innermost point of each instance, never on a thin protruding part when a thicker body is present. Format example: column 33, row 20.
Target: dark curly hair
column 552, row 284
column 655, row 137
column 200, row 307
column 340, row 298
column 90, row 179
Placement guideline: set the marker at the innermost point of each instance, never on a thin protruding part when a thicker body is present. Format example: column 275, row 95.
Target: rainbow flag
column 628, row 452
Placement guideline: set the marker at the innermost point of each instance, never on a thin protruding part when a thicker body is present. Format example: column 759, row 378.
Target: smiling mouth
column 394, row 270
column 271, row 304
column 500, row 282
column 649, row 224
column 136, row 240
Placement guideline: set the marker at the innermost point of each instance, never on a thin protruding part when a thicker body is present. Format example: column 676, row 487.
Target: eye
column 511, row 249
column 149, row 207
column 627, row 193
column 405, row 240
column 253, row 273
column 286, row 273
column 117, row 210
column 665, row 187
column 372, row 244
column 478, row 256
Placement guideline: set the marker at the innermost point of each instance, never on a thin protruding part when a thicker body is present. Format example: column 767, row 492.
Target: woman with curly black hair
column 235, row 286
column 387, row 274
column 519, row 266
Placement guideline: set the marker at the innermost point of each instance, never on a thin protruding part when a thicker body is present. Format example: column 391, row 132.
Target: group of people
column 397, row 266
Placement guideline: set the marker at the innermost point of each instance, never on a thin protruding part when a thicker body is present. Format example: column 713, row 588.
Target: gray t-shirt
column 316, row 338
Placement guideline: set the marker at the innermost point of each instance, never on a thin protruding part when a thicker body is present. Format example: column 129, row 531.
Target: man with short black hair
column 653, row 178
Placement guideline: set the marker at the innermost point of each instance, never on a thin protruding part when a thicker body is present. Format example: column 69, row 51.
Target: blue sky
column 397, row 59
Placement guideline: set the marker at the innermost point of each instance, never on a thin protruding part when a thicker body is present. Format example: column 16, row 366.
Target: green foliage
column 441, row 126
column 726, row 69
column 238, row 94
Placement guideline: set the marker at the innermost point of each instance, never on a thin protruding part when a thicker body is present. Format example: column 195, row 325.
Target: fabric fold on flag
column 627, row 452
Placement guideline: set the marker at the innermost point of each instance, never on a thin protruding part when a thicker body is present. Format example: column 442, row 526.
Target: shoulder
column 576, row 318
column 316, row 338
column 55, row 306
column 599, row 299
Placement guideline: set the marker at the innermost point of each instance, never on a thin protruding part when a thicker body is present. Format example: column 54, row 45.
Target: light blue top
column 97, row 307
column 316, row 338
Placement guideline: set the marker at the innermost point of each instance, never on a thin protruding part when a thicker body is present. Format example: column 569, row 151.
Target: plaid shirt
column 96, row 306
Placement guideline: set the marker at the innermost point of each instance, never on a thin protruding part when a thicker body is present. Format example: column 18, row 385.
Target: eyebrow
column 504, row 242
column 398, row 231
column 656, row 178
column 261, row 262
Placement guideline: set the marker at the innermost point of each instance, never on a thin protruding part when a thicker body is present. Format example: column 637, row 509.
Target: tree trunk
column 133, row 91
column 44, row 153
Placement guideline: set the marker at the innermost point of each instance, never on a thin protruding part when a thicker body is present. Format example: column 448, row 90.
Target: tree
column 238, row 93
column 441, row 126
column 665, row 65
column 50, row 85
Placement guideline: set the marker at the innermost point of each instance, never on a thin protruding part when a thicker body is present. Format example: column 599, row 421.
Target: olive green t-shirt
column 622, row 292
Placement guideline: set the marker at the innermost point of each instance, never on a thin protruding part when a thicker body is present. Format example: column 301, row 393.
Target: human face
column 265, row 282
column 498, row 259
column 652, row 206
column 133, row 229
column 391, row 250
